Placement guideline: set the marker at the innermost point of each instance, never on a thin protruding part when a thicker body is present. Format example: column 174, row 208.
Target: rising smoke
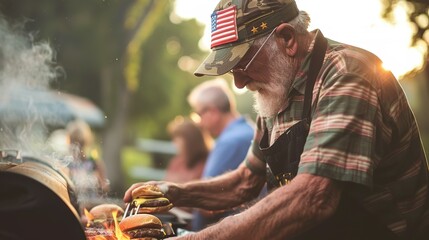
column 26, row 68
column 28, row 111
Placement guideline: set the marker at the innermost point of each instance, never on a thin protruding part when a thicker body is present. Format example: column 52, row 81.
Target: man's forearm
column 285, row 212
column 222, row 192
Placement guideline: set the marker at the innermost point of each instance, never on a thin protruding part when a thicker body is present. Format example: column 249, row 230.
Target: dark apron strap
column 316, row 62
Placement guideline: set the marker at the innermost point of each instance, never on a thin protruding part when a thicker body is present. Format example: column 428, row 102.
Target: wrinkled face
column 269, row 76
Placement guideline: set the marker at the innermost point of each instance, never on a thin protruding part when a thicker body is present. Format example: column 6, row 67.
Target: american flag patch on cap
column 224, row 26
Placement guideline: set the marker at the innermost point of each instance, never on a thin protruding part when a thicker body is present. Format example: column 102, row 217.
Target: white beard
column 272, row 96
column 268, row 103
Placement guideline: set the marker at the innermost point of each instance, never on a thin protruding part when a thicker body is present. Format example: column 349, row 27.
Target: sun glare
column 399, row 56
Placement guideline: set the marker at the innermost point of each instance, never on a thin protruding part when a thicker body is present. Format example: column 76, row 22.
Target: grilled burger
column 150, row 199
column 102, row 215
column 142, row 227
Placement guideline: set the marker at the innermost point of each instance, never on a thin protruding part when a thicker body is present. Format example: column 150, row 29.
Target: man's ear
column 287, row 39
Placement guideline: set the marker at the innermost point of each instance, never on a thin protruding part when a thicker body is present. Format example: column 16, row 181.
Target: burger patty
column 151, row 202
column 146, row 232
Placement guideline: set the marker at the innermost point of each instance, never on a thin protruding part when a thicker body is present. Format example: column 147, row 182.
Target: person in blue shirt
column 215, row 106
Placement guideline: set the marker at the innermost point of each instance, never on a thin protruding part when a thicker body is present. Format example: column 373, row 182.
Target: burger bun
column 147, row 191
column 140, row 221
column 142, row 227
column 104, row 211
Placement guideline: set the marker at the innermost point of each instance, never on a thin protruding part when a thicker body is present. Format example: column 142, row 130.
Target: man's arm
column 219, row 193
column 287, row 211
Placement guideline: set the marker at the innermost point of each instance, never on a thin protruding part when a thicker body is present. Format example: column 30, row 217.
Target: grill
column 36, row 200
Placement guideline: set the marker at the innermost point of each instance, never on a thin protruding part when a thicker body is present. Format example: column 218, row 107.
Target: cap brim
column 221, row 61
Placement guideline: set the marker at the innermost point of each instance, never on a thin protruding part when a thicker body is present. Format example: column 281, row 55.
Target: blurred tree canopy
column 121, row 54
column 418, row 16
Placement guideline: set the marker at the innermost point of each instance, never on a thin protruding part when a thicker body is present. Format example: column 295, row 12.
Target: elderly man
column 336, row 139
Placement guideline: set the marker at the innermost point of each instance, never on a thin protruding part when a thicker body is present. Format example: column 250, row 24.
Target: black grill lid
column 30, row 210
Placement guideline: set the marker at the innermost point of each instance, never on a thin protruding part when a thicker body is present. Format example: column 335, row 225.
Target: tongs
column 131, row 209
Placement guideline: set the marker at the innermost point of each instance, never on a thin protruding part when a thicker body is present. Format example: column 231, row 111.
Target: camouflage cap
column 235, row 26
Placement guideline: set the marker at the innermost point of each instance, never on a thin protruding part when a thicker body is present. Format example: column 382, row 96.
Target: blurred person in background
column 86, row 170
column 214, row 103
column 192, row 149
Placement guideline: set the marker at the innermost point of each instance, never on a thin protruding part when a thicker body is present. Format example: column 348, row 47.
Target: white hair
column 301, row 22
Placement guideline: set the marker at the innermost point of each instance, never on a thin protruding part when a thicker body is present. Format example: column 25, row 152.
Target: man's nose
column 240, row 81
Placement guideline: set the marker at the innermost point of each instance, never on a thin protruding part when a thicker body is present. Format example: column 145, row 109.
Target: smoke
column 30, row 113
column 24, row 62
column 26, row 68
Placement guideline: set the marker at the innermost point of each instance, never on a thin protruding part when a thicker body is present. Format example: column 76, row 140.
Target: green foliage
column 142, row 28
column 163, row 86
column 83, row 33
column 131, row 159
column 418, row 15
column 91, row 41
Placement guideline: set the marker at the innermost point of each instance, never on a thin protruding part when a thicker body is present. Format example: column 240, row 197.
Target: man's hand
column 170, row 190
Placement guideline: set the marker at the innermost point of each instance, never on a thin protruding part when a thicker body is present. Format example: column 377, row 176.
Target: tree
column 418, row 17
column 121, row 54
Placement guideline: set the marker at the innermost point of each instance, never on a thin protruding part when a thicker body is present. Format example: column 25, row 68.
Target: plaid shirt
column 362, row 131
